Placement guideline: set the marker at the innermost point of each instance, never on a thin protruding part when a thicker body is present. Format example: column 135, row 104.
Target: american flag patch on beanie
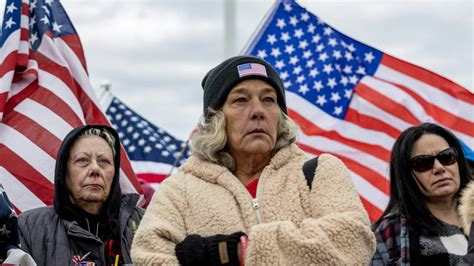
column 251, row 69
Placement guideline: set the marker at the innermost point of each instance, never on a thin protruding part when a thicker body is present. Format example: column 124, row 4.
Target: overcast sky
column 156, row 52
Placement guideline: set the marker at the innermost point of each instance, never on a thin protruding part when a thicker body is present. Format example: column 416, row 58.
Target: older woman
column 91, row 222
column 421, row 224
column 245, row 182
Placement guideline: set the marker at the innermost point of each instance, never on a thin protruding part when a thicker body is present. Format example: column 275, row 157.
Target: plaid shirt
column 393, row 244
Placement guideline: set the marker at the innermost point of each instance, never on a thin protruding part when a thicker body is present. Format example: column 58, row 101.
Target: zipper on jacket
column 255, row 204
column 256, row 207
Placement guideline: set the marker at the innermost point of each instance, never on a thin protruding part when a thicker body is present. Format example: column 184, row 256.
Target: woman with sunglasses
column 421, row 224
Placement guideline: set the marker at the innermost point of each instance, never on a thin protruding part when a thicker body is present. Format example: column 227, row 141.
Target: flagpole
column 105, row 97
column 229, row 50
column 105, row 86
column 178, row 158
column 229, row 28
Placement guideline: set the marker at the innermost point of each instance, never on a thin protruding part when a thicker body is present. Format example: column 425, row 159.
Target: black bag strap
column 309, row 168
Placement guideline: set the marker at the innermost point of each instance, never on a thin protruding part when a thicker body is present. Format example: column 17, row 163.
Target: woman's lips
column 94, row 185
column 442, row 180
column 257, row 131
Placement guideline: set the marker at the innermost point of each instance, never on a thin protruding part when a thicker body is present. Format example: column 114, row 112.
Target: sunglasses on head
column 425, row 162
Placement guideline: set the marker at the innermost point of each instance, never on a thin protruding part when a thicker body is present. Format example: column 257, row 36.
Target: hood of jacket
column 62, row 203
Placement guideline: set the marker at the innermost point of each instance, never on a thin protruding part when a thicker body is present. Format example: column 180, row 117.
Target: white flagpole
column 229, row 28
column 105, row 97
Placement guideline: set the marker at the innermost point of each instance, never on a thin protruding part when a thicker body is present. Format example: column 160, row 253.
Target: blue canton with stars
column 45, row 16
column 11, row 19
column 144, row 141
column 314, row 60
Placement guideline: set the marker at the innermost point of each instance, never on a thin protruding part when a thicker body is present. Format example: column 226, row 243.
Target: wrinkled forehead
column 89, row 144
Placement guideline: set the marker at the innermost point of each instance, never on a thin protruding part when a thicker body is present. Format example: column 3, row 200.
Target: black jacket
column 51, row 240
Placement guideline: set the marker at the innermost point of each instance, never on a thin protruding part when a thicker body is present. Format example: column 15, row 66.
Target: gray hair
column 103, row 133
column 210, row 140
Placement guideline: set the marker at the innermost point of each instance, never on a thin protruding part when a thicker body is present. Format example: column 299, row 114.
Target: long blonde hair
column 210, row 141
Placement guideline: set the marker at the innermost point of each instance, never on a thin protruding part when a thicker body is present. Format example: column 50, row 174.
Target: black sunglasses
column 425, row 162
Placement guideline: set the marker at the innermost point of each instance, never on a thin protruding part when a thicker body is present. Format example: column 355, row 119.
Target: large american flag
column 153, row 152
column 352, row 100
column 45, row 92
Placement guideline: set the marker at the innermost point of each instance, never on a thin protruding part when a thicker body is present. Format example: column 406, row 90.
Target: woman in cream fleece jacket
column 205, row 213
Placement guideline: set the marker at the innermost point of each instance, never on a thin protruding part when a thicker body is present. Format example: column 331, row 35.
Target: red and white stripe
column 38, row 107
column 399, row 95
column 153, row 172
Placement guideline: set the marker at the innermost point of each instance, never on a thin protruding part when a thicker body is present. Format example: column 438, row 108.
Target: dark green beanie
column 220, row 80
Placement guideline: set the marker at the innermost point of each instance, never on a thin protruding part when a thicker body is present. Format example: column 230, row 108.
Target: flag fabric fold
column 45, row 92
column 153, row 152
column 352, row 100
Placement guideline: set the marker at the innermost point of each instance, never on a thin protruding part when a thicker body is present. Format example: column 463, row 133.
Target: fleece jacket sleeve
column 338, row 232
column 156, row 237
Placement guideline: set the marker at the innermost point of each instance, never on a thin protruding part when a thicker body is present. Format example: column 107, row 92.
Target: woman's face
column 90, row 170
column 440, row 181
column 252, row 113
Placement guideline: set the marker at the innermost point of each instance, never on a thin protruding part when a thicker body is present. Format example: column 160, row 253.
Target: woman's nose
column 94, row 168
column 257, row 111
column 438, row 167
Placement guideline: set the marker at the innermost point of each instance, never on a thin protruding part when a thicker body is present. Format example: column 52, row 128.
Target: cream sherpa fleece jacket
column 293, row 225
column 466, row 207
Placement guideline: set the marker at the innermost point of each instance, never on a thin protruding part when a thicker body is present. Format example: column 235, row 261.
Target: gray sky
column 156, row 52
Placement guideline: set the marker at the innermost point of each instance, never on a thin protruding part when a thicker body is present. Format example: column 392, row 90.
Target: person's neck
column 248, row 168
column 445, row 210
column 89, row 206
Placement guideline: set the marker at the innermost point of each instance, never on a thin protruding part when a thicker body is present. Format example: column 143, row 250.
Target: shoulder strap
column 309, row 168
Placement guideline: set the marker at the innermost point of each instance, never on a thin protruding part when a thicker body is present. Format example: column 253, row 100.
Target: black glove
column 198, row 250
column 9, row 234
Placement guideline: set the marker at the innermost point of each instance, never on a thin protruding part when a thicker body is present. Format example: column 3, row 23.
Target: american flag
column 45, row 92
column 153, row 152
column 252, row 69
column 352, row 100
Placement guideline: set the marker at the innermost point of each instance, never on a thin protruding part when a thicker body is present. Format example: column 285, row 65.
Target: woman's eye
column 269, row 99
column 82, row 161
column 104, row 161
column 240, row 100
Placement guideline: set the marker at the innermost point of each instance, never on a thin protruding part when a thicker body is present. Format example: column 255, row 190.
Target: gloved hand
column 211, row 250
column 9, row 234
